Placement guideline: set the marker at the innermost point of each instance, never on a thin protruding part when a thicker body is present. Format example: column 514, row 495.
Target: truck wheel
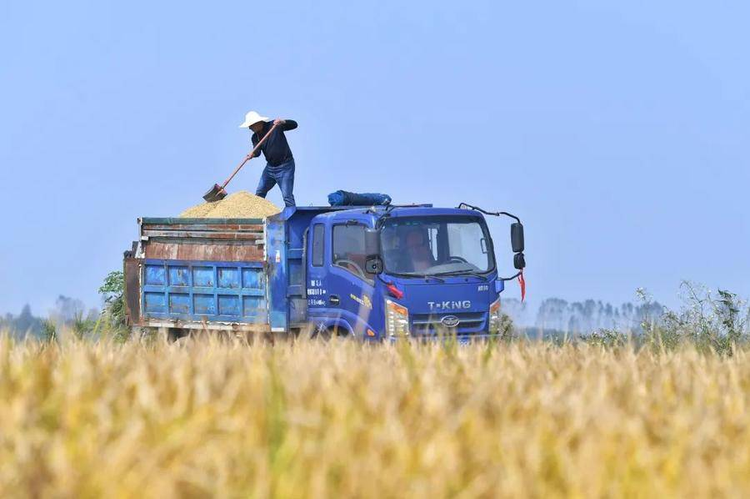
column 326, row 333
column 170, row 334
column 176, row 333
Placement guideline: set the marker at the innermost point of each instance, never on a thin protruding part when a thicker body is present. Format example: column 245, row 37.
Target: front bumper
column 461, row 339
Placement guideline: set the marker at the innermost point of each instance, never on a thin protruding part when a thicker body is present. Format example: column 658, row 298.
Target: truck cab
column 384, row 273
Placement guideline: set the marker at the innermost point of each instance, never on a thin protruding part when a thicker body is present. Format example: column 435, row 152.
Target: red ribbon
column 522, row 283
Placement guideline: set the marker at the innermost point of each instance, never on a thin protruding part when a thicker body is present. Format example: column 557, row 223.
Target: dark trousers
column 282, row 175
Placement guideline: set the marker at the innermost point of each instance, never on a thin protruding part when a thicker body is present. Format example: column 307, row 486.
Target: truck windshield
column 431, row 246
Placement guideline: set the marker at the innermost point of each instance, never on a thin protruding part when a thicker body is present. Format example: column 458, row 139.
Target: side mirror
column 519, row 262
column 374, row 265
column 516, row 237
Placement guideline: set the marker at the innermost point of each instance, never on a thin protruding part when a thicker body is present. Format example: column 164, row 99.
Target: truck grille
column 434, row 324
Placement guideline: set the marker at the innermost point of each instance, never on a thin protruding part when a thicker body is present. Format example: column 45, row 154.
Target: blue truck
column 373, row 273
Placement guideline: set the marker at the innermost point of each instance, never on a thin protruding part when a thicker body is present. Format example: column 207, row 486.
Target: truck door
column 347, row 276
column 339, row 291
column 317, row 274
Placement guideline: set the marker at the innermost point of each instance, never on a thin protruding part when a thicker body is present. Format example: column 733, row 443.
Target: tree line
column 556, row 315
column 67, row 313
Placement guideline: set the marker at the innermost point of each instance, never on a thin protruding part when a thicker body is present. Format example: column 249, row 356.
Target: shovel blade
column 216, row 193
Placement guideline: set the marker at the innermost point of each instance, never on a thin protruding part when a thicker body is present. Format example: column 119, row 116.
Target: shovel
column 217, row 192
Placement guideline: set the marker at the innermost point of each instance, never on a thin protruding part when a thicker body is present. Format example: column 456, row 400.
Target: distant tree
column 67, row 310
column 609, row 316
column 23, row 324
column 25, row 321
column 553, row 314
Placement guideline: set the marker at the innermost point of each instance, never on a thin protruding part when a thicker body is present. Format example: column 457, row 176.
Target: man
column 418, row 250
column 279, row 160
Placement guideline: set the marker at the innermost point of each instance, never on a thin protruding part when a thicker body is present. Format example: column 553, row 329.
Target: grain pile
column 241, row 204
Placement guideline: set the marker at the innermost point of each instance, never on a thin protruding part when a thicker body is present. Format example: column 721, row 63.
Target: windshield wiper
column 405, row 274
column 456, row 273
column 418, row 276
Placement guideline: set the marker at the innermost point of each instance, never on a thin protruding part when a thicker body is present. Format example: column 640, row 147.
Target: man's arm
column 255, row 140
column 286, row 125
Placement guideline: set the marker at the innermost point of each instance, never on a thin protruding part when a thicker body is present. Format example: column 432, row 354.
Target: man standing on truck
column 279, row 160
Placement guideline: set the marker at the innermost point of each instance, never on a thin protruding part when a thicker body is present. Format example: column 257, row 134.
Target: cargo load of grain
column 241, row 204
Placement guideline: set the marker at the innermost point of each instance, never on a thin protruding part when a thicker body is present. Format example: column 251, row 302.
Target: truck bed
column 190, row 273
column 232, row 274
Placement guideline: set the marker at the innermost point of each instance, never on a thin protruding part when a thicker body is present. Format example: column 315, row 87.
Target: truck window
column 349, row 248
column 468, row 241
column 435, row 245
column 318, row 247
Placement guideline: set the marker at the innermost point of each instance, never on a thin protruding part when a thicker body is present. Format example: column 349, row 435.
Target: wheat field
column 210, row 418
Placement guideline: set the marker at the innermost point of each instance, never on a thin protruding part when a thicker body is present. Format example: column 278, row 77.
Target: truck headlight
column 495, row 317
column 396, row 319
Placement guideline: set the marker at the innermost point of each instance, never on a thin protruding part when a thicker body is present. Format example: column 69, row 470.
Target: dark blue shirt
column 275, row 148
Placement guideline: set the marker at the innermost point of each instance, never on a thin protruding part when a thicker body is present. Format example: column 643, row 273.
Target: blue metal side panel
column 296, row 291
column 276, row 249
column 284, row 246
column 214, row 291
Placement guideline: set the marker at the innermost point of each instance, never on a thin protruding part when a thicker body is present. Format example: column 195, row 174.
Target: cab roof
column 376, row 211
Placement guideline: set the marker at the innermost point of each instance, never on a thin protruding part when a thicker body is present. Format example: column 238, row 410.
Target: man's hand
column 278, row 122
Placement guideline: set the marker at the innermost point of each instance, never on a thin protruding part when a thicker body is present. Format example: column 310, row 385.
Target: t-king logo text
column 449, row 305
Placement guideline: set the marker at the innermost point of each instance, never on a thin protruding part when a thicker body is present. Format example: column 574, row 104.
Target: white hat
column 252, row 118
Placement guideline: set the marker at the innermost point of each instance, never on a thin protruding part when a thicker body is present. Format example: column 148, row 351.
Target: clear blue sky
column 618, row 131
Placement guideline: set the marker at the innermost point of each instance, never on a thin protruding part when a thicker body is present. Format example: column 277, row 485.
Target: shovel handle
column 249, row 156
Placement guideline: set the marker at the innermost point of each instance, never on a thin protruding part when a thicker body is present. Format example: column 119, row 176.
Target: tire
column 332, row 332
column 176, row 333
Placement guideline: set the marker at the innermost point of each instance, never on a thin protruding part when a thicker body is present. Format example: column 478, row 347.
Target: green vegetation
column 708, row 322
column 112, row 322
